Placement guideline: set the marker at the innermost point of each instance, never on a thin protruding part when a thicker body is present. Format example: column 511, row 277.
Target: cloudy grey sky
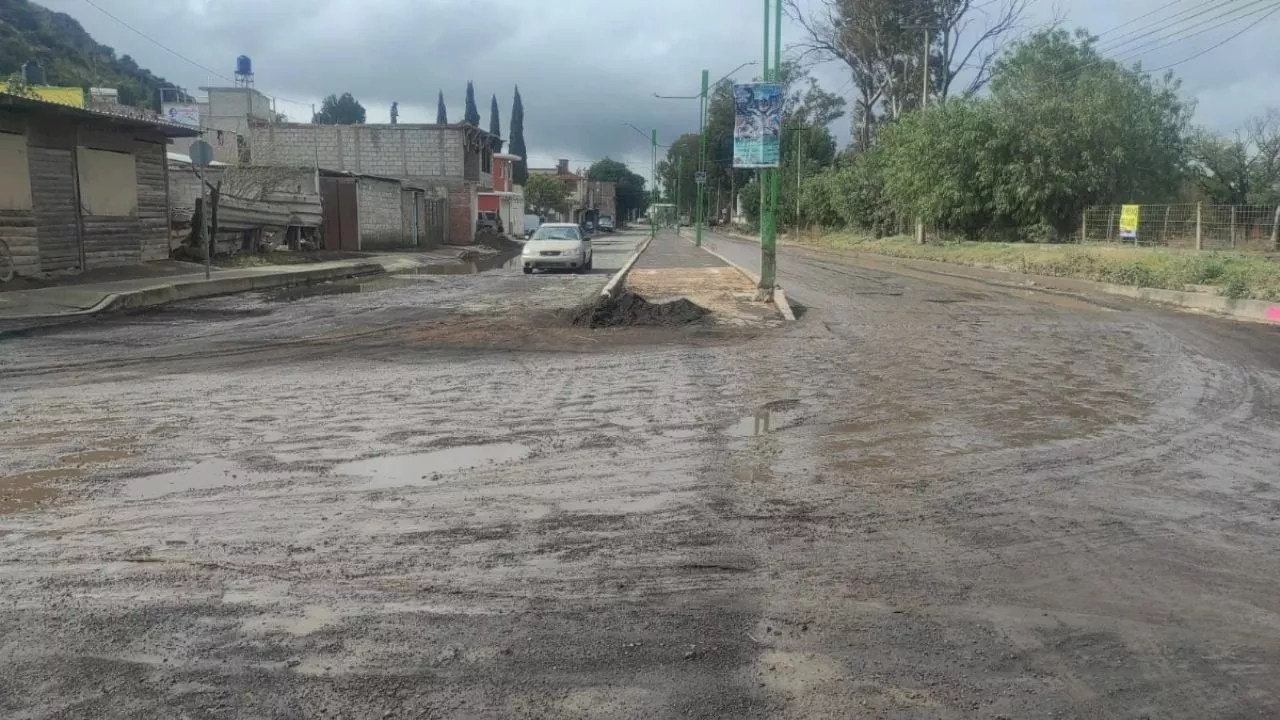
column 584, row 67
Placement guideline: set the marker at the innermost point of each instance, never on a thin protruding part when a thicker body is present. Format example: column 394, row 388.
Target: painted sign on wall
column 182, row 113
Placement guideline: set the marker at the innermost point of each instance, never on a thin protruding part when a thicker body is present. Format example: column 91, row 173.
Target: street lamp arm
column 699, row 96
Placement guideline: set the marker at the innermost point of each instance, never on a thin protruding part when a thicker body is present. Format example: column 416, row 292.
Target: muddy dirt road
column 435, row 499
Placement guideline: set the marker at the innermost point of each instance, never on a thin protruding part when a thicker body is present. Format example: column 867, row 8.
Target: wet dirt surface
column 440, row 500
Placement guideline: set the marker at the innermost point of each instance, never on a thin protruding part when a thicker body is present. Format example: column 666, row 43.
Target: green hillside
column 70, row 56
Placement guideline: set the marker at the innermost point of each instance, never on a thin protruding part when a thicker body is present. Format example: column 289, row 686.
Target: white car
column 557, row 246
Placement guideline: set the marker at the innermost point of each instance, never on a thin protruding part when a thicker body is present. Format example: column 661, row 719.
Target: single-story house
column 82, row 189
column 371, row 212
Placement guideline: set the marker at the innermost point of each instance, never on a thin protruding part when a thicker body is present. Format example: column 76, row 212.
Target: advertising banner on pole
column 1129, row 218
column 757, row 128
column 182, row 113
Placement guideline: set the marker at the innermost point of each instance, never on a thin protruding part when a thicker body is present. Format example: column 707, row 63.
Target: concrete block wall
column 381, row 214
column 411, row 152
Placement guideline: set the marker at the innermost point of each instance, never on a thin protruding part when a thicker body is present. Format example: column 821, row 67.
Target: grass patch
column 1230, row 274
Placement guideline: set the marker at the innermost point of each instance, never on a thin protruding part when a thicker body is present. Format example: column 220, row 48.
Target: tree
column 442, row 114
column 1082, row 130
column 545, row 194
column 882, row 44
column 495, row 122
column 683, row 153
column 1221, row 167
column 629, row 187
column 1063, row 128
column 342, row 110
column 472, row 116
column 520, row 172
column 1240, row 169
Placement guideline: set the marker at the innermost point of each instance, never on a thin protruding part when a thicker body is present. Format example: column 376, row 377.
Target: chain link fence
column 1191, row 226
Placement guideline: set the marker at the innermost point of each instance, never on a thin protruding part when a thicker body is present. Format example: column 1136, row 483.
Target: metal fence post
column 1164, row 234
column 1233, row 227
column 1199, row 227
column 1084, row 226
column 1111, row 221
column 1275, row 230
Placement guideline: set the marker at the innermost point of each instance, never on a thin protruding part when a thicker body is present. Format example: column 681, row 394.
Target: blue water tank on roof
column 244, row 66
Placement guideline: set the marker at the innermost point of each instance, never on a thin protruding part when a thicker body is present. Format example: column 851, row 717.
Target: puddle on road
column 207, row 475
column 766, row 420
column 35, row 440
column 341, row 287
column 95, row 457
column 408, row 279
column 392, row 471
column 28, row 490
column 506, row 260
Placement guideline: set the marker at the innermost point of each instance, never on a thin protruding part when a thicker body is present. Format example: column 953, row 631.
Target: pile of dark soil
column 629, row 309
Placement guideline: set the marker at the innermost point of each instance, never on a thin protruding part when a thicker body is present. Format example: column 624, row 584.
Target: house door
column 56, row 209
column 341, row 214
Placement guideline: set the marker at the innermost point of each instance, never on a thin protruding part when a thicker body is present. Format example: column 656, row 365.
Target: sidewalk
column 672, row 267
column 87, row 299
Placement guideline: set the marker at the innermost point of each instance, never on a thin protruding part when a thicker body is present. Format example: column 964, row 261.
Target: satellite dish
column 201, row 153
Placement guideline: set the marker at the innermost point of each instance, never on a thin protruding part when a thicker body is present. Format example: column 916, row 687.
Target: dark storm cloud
column 584, row 67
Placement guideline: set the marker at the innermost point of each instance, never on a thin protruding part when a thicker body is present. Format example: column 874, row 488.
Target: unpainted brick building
column 454, row 160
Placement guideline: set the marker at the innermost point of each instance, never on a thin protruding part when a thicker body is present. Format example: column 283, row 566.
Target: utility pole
column 924, row 103
column 771, row 179
column 799, row 162
column 653, row 181
column 679, row 189
column 702, row 159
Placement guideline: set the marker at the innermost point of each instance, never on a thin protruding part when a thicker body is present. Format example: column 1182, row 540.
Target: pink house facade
column 507, row 198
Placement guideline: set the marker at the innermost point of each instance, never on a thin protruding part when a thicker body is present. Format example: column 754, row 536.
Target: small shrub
column 1235, row 285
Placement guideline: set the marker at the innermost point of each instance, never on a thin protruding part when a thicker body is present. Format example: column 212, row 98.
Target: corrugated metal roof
column 167, row 128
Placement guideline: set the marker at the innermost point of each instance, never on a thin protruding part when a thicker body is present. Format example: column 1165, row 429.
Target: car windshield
column 556, row 233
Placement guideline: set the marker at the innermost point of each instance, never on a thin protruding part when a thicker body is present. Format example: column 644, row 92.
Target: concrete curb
column 1258, row 311
column 779, row 296
column 619, row 277
column 164, row 294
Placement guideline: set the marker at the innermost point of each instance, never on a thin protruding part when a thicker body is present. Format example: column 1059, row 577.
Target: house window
column 108, row 183
column 15, row 173
column 486, row 161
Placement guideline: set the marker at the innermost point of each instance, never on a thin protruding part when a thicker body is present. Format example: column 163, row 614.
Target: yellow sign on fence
column 1129, row 217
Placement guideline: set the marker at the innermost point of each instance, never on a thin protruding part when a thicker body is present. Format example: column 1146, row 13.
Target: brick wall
column 461, row 216
column 381, row 214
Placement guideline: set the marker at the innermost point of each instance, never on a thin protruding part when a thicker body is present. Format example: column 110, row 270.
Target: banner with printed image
column 757, row 128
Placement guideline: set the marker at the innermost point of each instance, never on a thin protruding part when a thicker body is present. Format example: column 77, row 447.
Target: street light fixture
column 702, row 140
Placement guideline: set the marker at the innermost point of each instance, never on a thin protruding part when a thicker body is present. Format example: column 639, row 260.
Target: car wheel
column 528, row 271
column 590, row 260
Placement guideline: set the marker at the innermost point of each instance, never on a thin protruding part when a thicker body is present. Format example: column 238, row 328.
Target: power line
column 1181, row 34
column 1170, row 40
column 1144, row 16
column 157, row 43
column 1215, row 46
column 1165, row 23
column 175, row 53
